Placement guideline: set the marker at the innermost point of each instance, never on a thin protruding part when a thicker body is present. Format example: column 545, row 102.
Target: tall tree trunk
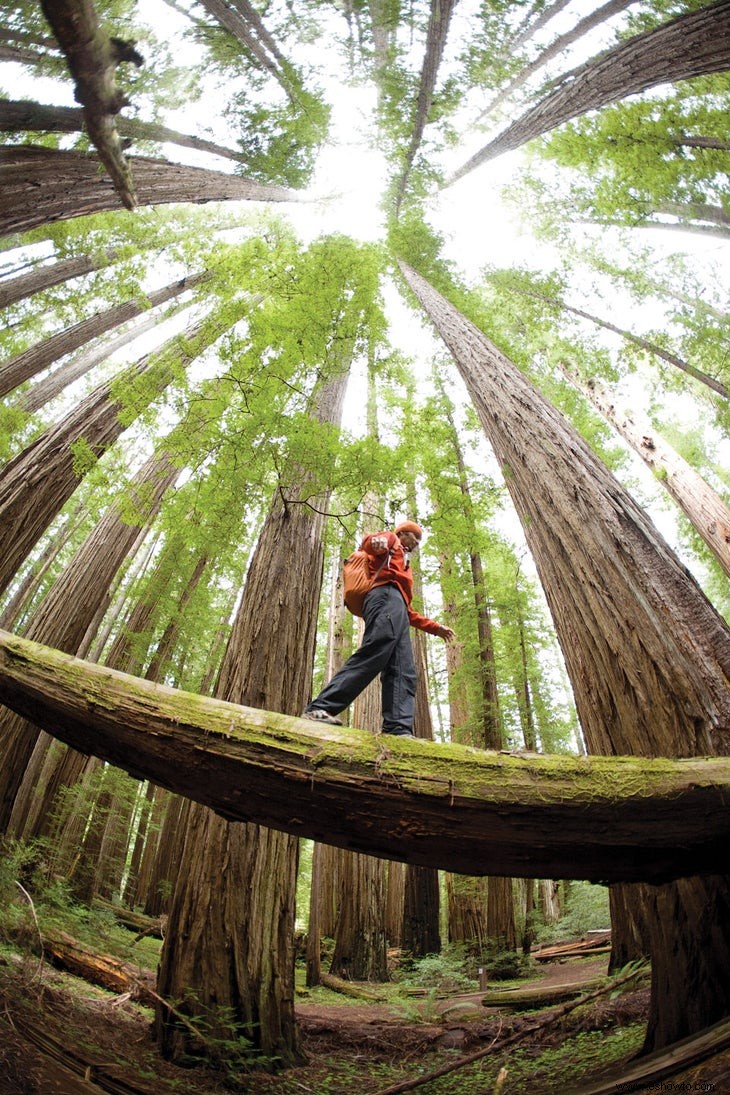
column 501, row 930
column 695, row 211
column 64, row 614
column 46, row 184
column 37, row 483
column 647, row 654
column 702, row 506
column 524, row 695
column 16, row 370
column 467, row 911
column 229, row 950
column 694, row 44
column 530, row 26
column 244, row 23
column 439, row 21
column 636, row 340
column 24, row 115
column 164, row 871
column 395, row 903
column 50, row 274
column 562, row 42
column 323, row 893
column 420, row 935
column 14, row 614
column 58, row 379
column 360, row 936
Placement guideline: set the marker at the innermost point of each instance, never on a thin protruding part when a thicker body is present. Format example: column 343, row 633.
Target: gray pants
column 386, row 649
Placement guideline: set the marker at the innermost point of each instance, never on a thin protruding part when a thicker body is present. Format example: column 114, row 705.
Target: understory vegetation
column 428, row 1014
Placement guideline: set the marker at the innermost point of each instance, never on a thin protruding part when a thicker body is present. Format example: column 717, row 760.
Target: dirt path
column 458, row 1006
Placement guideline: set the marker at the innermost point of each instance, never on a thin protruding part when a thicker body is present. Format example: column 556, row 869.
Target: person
column 386, row 645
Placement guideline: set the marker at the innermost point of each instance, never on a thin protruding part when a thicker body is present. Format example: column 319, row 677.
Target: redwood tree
column 647, row 654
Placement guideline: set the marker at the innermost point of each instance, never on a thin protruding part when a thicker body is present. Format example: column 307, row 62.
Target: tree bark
column 600, row 818
column 420, row 905
column 46, row 184
column 244, row 23
column 694, row 44
column 360, row 950
column 636, row 340
column 23, row 115
column 438, row 29
column 37, row 483
column 50, row 274
column 529, row 26
column 58, row 379
column 562, row 42
column 467, row 908
column 647, row 654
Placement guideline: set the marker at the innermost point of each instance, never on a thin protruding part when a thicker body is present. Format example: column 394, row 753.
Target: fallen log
column 578, row 949
column 337, row 984
column 539, row 996
column 133, row 921
column 66, row 953
column 500, row 1044
column 470, row 811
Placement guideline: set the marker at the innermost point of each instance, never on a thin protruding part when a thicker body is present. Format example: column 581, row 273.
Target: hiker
column 386, row 644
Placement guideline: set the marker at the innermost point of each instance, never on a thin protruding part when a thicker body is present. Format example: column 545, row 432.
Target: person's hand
column 379, row 543
column 448, row 634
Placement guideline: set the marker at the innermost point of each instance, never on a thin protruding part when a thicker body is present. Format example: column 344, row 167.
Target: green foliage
column 566, row 1066
column 84, row 457
column 280, row 143
column 636, row 158
column 448, row 972
column 586, row 909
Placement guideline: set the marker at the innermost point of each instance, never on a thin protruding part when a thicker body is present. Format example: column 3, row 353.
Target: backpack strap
column 380, row 569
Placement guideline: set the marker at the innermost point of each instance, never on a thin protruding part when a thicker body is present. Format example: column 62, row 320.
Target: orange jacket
column 397, row 571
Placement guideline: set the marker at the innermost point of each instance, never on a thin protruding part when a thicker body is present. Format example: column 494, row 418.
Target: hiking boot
column 316, row 714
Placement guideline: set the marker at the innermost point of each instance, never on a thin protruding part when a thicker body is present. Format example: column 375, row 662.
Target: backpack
column 357, row 581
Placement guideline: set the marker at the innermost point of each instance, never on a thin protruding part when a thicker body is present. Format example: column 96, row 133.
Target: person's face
column 409, row 540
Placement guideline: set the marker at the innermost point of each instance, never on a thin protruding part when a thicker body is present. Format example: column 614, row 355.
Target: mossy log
column 111, row 973
column 134, row 921
column 466, row 810
column 538, row 996
column 337, row 984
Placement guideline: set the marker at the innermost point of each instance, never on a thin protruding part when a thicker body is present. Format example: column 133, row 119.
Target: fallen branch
column 92, row 58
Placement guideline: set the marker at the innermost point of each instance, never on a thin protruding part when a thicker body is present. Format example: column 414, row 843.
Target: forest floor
column 62, row 1036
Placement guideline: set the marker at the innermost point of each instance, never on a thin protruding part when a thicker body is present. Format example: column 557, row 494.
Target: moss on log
column 604, row 819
